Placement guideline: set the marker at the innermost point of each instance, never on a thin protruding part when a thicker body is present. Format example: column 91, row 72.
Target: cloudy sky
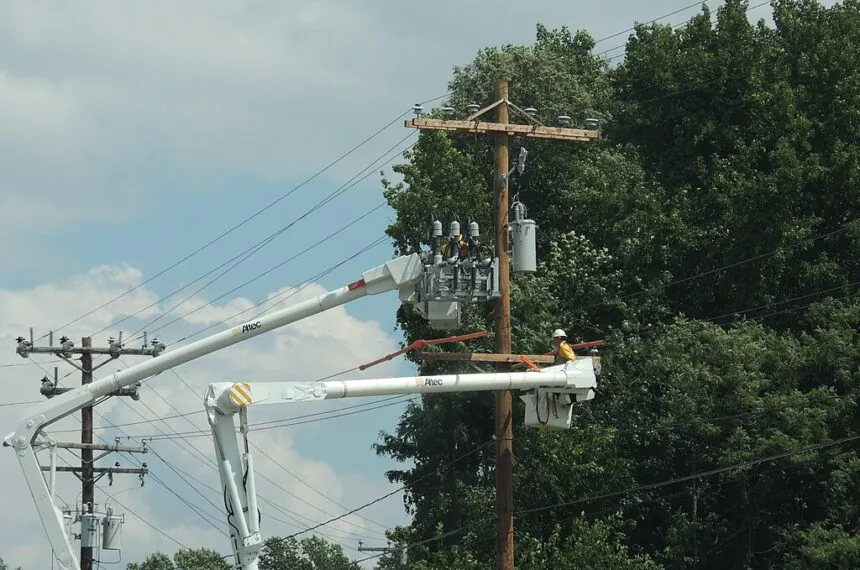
column 133, row 134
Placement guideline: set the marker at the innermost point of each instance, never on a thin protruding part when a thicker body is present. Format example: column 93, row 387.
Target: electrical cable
column 732, row 265
column 333, row 414
column 798, row 298
column 627, row 491
column 186, row 414
column 289, row 293
column 314, row 245
column 654, row 21
column 246, row 254
column 309, row 486
column 248, row 219
column 15, row 364
column 401, row 488
column 673, row 26
column 734, row 416
column 196, row 452
column 243, row 222
column 297, row 524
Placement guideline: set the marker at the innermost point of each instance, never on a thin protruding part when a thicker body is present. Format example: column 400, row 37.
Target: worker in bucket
column 563, row 351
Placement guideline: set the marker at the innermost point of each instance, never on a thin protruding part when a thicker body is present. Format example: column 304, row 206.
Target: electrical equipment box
column 90, row 524
column 523, row 239
column 112, row 532
column 441, row 314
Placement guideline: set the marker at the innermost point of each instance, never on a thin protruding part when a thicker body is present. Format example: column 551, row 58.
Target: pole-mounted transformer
column 523, row 240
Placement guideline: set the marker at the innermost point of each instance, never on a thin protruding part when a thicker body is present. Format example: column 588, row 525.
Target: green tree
column 184, row 559
column 4, row 566
column 726, row 144
column 157, row 561
column 312, row 553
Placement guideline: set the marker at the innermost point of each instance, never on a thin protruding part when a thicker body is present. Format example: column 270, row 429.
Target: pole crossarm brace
column 482, row 357
column 527, row 131
column 419, row 344
column 90, row 350
column 102, row 447
column 103, row 470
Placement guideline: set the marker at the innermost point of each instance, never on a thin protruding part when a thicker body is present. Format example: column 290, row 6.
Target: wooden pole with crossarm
column 501, row 130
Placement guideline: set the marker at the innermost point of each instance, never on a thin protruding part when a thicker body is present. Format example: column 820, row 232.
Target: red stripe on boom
column 355, row 285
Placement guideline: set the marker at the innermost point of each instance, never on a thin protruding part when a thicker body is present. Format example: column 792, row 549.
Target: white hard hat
column 559, row 333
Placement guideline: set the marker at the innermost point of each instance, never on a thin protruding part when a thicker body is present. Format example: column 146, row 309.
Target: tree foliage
column 312, row 553
column 185, row 559
column 711, row 238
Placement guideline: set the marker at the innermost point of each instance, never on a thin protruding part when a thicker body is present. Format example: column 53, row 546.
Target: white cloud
column 321, row 345
column 105, row 100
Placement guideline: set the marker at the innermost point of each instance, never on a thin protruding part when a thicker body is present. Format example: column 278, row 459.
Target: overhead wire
column 399, row 489
column 196, row 452
column 330, row 415
column 197, row 455
column 242, row 223
column 284, row 295
column 673, row 26
column 298, row 523
column 626, row 491
column 248, row 219
column 247, row 253
column 669, row 426
column 654, row 21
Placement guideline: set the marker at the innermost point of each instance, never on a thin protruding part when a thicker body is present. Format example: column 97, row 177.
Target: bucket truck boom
column 402, row 273
column 553, row 388
column 434, row 286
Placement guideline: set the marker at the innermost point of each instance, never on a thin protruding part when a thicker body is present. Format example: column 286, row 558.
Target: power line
column 654, row 21
column 196, row 452
column 187, row 414
column 19, row 403
column 406, row 486
column 629, row 490
column 674, row 27
column 248, row 219
column 316, row 244
column 735, row 416
column 334, row 414
column 732, row 265
column 798, row 298
column 311, row 487
column 288, row 294
column 249, row 252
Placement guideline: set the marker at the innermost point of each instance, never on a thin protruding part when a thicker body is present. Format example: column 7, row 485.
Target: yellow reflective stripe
column 241, row 394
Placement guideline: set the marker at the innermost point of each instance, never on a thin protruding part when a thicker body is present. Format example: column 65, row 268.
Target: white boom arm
column 401, row 272
column 554, row 387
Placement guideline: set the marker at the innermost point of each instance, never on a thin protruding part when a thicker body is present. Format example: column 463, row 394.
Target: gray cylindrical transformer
column 454, row 229
column 474, row 230
column 523, row 246
column 90, row 530
column 112, row 532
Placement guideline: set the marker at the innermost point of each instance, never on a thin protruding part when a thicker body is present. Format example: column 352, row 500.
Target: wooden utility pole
column 501, row 130
column 88, row 484
column 504, row 403
column 88, row 473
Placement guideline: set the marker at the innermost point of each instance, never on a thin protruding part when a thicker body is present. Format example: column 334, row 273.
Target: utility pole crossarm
column 114, row 470
column 526, row 131
column 91, row 350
